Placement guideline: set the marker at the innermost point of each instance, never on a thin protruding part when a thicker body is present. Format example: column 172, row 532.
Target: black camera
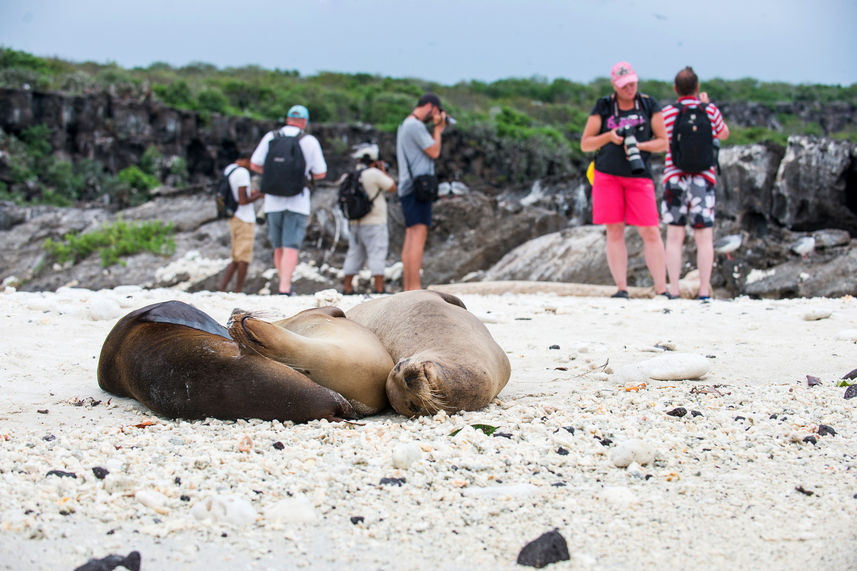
column 632, row 152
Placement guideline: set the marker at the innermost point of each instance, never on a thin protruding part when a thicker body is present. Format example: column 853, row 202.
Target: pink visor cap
column 622, row 74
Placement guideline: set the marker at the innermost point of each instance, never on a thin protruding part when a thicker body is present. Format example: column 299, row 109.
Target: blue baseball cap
column 298, row 112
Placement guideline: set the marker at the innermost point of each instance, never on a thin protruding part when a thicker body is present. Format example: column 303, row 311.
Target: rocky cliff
column 768, row 194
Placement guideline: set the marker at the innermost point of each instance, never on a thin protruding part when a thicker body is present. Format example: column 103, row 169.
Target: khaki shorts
column 242, row 234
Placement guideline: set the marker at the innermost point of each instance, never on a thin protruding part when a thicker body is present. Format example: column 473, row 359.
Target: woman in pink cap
column 623, row 191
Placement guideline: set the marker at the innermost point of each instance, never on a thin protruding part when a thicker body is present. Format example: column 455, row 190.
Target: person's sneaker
column 704, row 298
column 667, row 295
column 622, row 294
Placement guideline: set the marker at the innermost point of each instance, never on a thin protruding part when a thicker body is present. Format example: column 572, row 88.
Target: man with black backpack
column 368, row 239
column 692, row 125
column 289, row 160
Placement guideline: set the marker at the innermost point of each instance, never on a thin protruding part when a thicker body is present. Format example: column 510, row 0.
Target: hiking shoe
column 622, row 294
column 667, row 295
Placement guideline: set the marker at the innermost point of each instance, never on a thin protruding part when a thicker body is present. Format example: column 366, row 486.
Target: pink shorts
column 617, row 199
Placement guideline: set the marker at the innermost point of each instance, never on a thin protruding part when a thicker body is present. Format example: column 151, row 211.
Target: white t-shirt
column 241, row 177
column 315, row 163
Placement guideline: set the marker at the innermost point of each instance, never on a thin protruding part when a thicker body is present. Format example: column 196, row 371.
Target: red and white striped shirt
column 670, row 113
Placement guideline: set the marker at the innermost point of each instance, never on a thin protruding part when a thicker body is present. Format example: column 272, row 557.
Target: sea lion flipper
column 449, row 298
column 331, row 310
column 180, row 313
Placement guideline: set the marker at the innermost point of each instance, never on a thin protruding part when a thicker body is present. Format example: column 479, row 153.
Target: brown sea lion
column 445, row 357
column 321, row 343
column 181, row 363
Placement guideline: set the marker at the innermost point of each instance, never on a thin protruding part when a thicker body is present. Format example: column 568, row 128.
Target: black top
column 610, row 158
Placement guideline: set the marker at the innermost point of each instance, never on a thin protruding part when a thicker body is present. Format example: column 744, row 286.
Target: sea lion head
column 425, row 384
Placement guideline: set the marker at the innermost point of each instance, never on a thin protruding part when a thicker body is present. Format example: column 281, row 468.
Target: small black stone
column 803, row 491
column 178, row 481
column 279, row 445
column 824, row 430
column 62, row 474
column 502, row 435
column 695, row 413
column 355, row 519
column 605, row 442
column 554, row 347
column 569, row 429
column 49, row 438
column 812, row 381
column 558, row 484
column 548, row 548
column 810, row 439
column 679, row 412
column 131, row 562
column 184, row 498
column 43, row 411
column 737, row 418
column 851, row 392
column 773, row 416
column 100, row 472
column 224, row 534
column 850, row 375
column 562, row 451
column 392, row 481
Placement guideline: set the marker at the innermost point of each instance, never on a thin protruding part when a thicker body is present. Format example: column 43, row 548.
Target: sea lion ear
column 450, row 299
column 180, row 313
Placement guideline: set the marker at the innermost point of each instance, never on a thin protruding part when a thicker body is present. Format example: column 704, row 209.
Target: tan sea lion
column 321, row 343
column 181, row 363
column 445, row 357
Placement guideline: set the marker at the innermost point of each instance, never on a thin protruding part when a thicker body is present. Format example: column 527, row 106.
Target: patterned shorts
column 688, row 199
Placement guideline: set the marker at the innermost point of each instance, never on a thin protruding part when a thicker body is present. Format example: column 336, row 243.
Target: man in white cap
column 287, row 216
column 369, row 237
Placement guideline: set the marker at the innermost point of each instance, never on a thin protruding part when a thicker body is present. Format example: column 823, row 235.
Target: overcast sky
column 796, row 41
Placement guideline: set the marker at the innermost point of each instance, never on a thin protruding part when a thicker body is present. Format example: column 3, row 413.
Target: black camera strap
column 616, row 104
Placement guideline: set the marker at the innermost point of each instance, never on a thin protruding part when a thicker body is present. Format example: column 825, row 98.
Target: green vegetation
column 113, row 241
column 536, row 122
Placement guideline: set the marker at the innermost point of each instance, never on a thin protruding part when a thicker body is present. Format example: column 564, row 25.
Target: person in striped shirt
column 689, row 196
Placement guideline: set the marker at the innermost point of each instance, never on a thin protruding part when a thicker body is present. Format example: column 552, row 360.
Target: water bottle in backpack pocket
column 692, row 142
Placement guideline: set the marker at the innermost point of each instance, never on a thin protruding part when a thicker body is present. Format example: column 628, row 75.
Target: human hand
column 616, row 138
column 703, row 97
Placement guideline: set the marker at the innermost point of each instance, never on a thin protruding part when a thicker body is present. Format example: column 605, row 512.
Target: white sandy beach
column 734, row 483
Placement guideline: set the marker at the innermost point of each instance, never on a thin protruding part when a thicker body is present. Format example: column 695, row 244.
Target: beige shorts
column 242, row 234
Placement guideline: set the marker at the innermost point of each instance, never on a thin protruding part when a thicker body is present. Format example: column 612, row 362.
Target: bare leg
column 379, row 283
column 412, row 255
column 653, row 250
column 288, row 263
column 675, row 240
column 348, row 288
column 230, row 269
column 617, row 254
column 241, row 275
column 704, row 258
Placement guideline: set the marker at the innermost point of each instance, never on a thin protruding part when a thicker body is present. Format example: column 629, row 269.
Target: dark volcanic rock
column 548, row 548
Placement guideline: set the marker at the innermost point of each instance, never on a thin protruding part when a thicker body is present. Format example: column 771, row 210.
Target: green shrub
column 150, row 162
column 114, row 241
column 134, row 177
